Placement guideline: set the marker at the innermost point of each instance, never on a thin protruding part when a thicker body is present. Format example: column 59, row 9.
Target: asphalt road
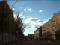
column 34, row 42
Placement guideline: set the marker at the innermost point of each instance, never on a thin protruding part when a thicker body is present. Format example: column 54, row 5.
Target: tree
column 19, row 27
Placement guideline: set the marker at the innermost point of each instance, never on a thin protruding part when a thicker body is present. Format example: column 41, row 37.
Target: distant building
column 31, row 36
column 38, row 33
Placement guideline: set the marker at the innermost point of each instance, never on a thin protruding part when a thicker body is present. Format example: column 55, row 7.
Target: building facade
column 38, row 33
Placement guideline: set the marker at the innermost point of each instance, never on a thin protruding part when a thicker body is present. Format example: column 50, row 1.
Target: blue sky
column 33, row 12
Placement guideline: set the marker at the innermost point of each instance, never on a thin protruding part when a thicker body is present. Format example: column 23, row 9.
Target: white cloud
column 29, row 9
column 45, row 21
column 13, row 9
column 21, row 14
column 36, row 23
column 40, row 10
column 33, row 23
column 15, row 16
column 25, row 9
column 34, row 19
column 29, row 31
column 28, row 20
column 22, row 17
column 38, row 20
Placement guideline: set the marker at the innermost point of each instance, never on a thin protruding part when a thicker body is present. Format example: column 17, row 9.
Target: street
column 34, row 42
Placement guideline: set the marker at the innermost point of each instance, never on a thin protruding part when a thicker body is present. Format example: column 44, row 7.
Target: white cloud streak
column 29, row 9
